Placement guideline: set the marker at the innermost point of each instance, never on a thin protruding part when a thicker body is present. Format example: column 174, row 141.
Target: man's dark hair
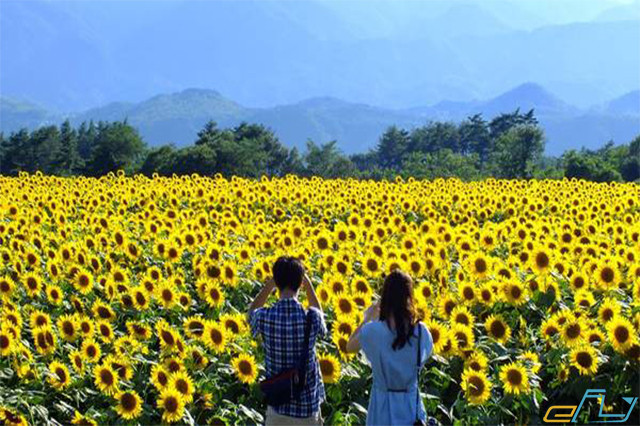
column 288, row 272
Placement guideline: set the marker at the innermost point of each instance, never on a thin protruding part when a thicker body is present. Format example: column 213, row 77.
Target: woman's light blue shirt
column 393, row 370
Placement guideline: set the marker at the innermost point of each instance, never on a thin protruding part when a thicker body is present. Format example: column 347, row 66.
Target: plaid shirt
column 282, row 329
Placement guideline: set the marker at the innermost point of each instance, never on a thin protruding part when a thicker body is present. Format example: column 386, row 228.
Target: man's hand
column 311, row 294
column 262, row 297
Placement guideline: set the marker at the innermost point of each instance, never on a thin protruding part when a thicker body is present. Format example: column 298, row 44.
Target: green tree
column 67, row 160
column 327, row 161
column 517, row 151
column 392, row 147
column 441, row 164
column 475, row 137
column 118, row 146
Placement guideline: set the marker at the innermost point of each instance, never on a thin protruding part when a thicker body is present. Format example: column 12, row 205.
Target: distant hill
column 16, row 114
column 73, row 55
column 177, row 117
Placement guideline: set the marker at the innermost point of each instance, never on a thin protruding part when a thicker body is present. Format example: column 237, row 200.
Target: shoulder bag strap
column 418, row 374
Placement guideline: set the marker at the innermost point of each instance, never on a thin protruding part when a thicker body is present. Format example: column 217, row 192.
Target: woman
column 390, row 343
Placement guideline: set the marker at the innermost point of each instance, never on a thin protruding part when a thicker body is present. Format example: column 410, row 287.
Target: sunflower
column 515, row 378
column 514, row 292
column 233, row 323
column 44, row 339
column 141, row 298
column 32, row 284
column 7, row 287
column 181, row 382
column 129, row 404
column 77, row 361
column 171, row 404
column 573, row 331
column 159, row 377
column 54, row 294
column 58, row 375
column 549, row 328
column 477, row 362
column 7, row 342
column 344, row 325
column 583, row 299
column 463, row 336
column 83, row 281
column 329, row 368
column 609, row 309
column 245, row 367
column 468, row 292
column 541, row 260
column 584, row 358
column 214, row 294
column 106, row 379
column 166, row 295
column 476, row 386
column 462, row 315
column 194, row 326
column 371, row 266
column 607, row 274
column 479, row 265
column 438, row 334
column 531, row 360
column 344, row 305
column 579, row 281
column 68, row 327
column 105, row 331
column 497, row 328
column 621, row 333
column 214, row 336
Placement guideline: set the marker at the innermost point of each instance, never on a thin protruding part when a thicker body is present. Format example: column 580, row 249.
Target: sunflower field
column 123, row 299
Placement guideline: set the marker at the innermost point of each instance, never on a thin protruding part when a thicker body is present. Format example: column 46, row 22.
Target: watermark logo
column 569, row 413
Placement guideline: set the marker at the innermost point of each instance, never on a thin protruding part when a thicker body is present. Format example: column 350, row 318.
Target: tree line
column 510, row 145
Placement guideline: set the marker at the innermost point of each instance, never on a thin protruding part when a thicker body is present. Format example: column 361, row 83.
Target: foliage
column 520, row 289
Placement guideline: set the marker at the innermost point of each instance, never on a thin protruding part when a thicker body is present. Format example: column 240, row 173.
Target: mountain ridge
column 177, row 117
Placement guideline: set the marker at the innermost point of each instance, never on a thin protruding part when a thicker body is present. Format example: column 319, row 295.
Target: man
column 282, row 329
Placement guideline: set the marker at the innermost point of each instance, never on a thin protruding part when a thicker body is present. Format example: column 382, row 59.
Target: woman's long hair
column 397, row 303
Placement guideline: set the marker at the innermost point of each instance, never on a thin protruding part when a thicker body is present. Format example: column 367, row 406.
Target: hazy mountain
column 177, row 117
column 628, row 104
column 72, row 55
column 16, row 114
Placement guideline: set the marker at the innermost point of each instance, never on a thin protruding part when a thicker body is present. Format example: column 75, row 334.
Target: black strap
column 418, row 375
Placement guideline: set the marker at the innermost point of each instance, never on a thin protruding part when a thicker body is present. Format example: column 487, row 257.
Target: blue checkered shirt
column 282, row 329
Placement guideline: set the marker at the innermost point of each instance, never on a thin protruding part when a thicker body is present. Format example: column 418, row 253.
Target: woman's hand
column 372, row 313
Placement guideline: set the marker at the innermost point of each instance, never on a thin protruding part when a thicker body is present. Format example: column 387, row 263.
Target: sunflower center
column 607, row 274
column 107, row 377
column 168, row 337
column 245, row 367
column 476, row 386
column 62, row 375
column 498, row 329
column 128, row 401
column 171, row 404
column 514, row 377
column 4, row 342
column 607, row 314
column 481, row 266
column 326, row 367
column 542, row 260
column 584, row 359
column 622, row 334
column 182, row 386
column 216, row 336
column 345, row 306
column 573, row 331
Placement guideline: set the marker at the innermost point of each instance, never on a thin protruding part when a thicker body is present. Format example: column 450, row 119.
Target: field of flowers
column 123, row 299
